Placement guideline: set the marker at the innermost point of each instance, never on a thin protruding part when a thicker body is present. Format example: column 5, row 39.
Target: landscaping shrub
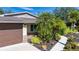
column 74, row 30
column 67, row 46
column 36, row 40
column 71, row 39
column 71, row 44
column 58, row 36
column 77, row 28
column 68, row 30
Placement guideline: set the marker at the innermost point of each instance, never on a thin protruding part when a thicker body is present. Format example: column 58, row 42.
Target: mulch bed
column 49, row 45
column 76, row 35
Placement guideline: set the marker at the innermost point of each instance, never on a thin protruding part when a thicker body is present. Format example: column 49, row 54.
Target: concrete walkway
column 20, row 47
column 60, row 45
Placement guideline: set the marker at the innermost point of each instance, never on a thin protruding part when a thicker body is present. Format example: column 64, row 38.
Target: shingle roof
column 8, row 19
column 19, row 13
column 16, row 20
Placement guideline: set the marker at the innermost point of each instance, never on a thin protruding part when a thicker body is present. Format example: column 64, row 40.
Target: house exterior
column 15, row 27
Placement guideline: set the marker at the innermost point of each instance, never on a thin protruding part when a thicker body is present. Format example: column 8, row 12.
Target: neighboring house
column 14, row 26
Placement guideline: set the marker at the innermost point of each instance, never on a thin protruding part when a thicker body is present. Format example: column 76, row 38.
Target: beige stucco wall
column 24, row 33
column 26, row 29
column 28, row 26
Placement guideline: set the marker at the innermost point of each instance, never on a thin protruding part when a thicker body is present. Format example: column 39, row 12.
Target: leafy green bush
column 71, row 39
column 70, row 46
column 73, row 45
column 57, row 36
column 36, row 40
column 77, row 27
column 75, row 30
column 67, row 46
column 68, row 30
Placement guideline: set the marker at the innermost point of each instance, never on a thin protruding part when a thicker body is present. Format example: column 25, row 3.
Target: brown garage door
column 10, row 34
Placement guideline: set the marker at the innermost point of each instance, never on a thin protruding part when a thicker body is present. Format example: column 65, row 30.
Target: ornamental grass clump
column 71, row 44
column 35, row 40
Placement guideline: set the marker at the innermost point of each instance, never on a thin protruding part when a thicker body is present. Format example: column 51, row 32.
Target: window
column 33, row 27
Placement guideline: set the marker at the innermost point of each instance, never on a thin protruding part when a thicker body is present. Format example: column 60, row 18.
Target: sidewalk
column 20, row 47
column 58, row 46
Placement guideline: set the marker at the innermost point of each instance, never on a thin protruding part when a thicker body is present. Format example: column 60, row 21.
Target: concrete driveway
column 19, row 47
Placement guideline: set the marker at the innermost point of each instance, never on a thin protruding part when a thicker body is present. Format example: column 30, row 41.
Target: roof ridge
column 19, row 13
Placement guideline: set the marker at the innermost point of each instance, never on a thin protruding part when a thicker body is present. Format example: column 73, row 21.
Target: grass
column 77, row 49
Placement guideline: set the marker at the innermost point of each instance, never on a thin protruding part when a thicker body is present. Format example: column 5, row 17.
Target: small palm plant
column 70, row 43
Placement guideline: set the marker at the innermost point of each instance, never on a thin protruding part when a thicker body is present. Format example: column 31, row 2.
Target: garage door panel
column 9, row 36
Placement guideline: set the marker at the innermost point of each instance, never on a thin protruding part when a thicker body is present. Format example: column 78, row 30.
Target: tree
column 73, row 17
column 48, row 25
column 63, row 12
column 59, row 27
column 69, row 15
column 44, row 26
column 1, row 11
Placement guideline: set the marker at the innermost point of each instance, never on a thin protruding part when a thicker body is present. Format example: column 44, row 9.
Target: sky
column 33, row 10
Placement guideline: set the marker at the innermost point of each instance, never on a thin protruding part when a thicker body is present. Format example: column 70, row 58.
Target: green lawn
column 77, row 49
